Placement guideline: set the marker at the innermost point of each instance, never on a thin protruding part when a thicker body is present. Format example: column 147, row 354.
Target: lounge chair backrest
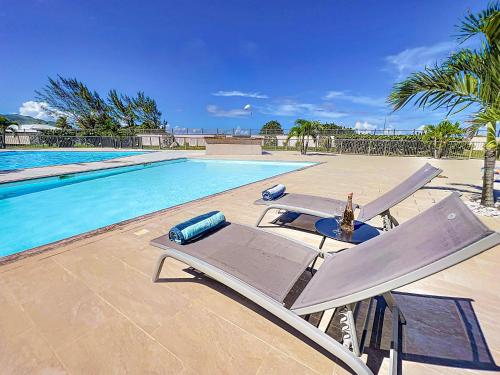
column 440, row 237
column 402, row 191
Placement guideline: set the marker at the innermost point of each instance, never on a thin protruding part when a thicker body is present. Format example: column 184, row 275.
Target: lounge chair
column 328, row 207
column 264, row 267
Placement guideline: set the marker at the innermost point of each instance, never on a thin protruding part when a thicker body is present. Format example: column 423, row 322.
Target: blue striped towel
column 196, row 227
column 274, row 192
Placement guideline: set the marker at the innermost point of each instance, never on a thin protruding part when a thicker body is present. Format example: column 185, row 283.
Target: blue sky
column 203, row 61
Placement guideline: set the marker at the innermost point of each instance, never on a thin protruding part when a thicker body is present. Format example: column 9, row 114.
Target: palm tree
column 468, row 77
column 303, row 130
column 62, row 123
column 5, row 123
column 441, row 134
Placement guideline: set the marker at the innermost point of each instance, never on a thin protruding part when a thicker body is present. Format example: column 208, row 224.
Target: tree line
column 75, row 105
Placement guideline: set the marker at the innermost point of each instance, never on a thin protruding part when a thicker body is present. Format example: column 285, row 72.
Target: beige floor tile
column 277, row 363
column 146, row 303
column 118, row 347
column 28, row 353
column 13, row 318
column 211, row 345
column 65, row 314
column 302, row 350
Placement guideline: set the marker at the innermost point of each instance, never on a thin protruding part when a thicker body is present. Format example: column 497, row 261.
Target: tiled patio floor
column 89, row 307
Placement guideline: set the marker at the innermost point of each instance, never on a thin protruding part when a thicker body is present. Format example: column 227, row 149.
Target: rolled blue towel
column 274, row 192
column 196, row 227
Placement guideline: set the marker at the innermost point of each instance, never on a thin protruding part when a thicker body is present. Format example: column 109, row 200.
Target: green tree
column 272, row 127
column 71, row 96
column 123, row 108
column 5, row 124
column 331, row 127
column 62, row 123
column 303, row 131
column 441, row 134
column 147, row 112
column 468, row 77
column 92, row 113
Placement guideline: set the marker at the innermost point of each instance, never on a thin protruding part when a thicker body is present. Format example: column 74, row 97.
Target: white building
column 31, row 128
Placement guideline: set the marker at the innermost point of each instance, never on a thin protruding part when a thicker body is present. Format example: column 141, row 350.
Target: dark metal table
column 328, row 227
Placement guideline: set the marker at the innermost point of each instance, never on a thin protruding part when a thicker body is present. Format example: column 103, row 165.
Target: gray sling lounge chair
column 264, row 267
column 328, row 207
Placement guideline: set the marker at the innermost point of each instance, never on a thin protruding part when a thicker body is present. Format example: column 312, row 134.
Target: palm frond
column 435, row 87
column 474, row 24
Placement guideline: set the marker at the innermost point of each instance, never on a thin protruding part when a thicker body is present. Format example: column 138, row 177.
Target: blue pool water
column 37, row 212
column 10, row 160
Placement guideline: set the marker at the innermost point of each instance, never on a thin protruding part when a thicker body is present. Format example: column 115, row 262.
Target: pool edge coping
column 52, row 246
column 55, row 174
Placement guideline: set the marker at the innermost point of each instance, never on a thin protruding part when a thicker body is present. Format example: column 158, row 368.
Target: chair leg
column 389, row 221
column 348, row 327
column 158, row 267
column 264, row 212
column 326, row 319
column 397, row 317
column 393, row 353
column 389, row 299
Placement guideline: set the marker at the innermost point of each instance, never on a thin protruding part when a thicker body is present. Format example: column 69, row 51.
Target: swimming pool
column 41, row 211
column 10, row 160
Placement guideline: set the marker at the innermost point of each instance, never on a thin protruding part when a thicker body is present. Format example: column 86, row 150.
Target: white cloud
column 364, row 127
column 35, row 109
column 357, row 99
column 292, row 108
column 239, row 131
column 415, row 59
column 218, row 112
column 256, row 95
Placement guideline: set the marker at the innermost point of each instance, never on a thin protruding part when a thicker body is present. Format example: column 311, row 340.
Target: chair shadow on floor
column 440, row 330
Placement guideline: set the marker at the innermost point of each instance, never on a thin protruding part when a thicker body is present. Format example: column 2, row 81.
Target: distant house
column 31, row 128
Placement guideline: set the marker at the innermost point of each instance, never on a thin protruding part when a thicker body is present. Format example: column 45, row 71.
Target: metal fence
column 44, row 140
column 329, row 144
column 238, row 131
column 383, row 147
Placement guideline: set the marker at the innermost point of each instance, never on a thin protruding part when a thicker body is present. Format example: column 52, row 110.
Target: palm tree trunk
column 2, row 143
column 306, row 145
column 487, row 197
column 440, row 150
